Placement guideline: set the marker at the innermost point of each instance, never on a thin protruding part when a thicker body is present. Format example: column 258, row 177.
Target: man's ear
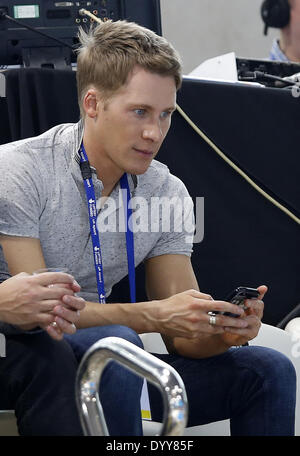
column 91, row 103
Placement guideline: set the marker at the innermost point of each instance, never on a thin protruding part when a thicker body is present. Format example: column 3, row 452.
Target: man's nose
column 153, row 131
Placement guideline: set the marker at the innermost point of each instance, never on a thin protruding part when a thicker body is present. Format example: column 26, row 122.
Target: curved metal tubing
column 143, row 364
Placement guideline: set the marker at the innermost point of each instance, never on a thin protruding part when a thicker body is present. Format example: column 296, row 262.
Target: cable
column 32, row 29
column 260, row 76
column 84, row 12
column 235, row 167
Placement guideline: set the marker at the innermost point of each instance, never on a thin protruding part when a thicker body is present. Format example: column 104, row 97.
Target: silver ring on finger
column 53, row 324
column 212, row 320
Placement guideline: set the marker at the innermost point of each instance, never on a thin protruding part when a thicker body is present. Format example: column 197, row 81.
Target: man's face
column 294, row 25
column 295, row 10
column 132, row 124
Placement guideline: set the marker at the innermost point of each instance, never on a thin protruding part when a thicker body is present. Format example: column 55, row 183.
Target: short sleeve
column 20, row 194
column 176, row 220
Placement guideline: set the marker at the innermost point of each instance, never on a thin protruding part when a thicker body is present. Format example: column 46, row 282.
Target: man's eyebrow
column 149, row 107
column 171, row 108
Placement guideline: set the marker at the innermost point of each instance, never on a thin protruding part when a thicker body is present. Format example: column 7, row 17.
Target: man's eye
column 165, row 114
column 140, row 112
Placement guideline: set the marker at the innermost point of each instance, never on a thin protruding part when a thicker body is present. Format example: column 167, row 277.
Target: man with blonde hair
column 77, row 199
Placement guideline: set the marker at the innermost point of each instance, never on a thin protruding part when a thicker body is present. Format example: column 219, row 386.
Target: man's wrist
column 150, row 313
column 27, row 327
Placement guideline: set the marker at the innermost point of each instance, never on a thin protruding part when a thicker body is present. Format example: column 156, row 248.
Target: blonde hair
column 109, row 52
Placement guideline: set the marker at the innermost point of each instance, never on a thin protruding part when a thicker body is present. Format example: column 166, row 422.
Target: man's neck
column 105, row 169
column 290, row 44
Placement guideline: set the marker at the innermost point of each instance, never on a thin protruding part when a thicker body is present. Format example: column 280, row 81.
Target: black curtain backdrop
column 247, row 241
column 36, row 100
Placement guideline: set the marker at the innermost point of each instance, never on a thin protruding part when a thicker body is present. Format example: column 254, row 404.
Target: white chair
column 269, row 336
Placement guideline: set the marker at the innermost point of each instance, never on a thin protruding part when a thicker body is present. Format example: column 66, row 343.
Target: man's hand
column 252, row 315
column 39, row 300
column 66, row 316
column 186, row 315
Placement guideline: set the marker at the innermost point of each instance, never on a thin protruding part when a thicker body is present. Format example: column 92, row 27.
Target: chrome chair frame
column 143, row 364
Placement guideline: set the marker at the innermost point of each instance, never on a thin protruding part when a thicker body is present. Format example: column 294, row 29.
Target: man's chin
column 138, row 170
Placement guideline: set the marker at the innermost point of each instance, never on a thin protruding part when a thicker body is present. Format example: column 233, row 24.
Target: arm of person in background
column 29, row 301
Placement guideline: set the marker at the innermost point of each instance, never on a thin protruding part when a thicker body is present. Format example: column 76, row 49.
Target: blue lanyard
column 91, row 200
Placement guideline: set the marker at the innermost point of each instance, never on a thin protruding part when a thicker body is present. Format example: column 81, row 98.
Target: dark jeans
column 253, row 386
column 37, row 379
column 120, row 389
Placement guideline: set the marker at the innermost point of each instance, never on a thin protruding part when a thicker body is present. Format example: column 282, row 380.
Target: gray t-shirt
column 42, row 196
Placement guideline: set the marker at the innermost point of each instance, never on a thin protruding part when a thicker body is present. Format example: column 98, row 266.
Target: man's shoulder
column 31, row 147
column 158, row 176
column 158, row 168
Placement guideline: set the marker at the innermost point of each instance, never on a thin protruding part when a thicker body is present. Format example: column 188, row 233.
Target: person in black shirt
column 284, row 15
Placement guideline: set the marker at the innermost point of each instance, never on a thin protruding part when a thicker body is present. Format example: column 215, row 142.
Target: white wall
column 201, row 29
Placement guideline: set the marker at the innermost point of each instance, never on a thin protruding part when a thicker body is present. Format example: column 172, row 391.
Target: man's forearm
column 141, row 318
column 138, row 316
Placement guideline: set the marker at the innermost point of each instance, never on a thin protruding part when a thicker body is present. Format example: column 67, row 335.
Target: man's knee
column 123, row 332
column 127, row 334
column 83, row 339
column 277, row 363
column 273, row 367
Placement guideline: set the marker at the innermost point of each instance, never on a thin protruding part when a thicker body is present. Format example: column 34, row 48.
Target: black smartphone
column 238, row 297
